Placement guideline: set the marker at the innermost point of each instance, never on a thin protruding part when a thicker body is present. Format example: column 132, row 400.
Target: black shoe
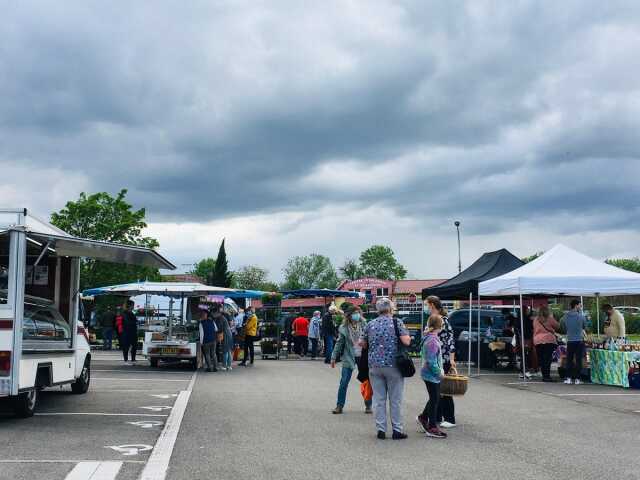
column 398, row 435
column 214, row 369
column 381, row 435
column 242, row 364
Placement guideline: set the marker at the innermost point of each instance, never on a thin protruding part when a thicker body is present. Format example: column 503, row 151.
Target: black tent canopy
column 488, row 266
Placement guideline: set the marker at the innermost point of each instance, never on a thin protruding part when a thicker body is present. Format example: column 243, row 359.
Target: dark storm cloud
column 493, row 113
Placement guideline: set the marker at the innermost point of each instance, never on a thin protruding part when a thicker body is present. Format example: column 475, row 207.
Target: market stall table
column 611, row 367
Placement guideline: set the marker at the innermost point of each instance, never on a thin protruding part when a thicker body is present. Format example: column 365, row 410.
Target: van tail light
column 83, row 331
column 5, row 364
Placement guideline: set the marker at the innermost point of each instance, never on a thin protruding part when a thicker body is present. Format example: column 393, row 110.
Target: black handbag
column 403, row 361
column 363, row 366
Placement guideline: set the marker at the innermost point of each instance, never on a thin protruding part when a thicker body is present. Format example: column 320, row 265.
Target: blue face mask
column 355, row 317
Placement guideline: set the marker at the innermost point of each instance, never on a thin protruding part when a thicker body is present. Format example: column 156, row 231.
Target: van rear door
column 12, row 264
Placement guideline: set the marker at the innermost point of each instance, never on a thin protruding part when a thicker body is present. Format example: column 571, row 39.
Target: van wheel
column 81, row 385
column 153, row 362
column 24, row 405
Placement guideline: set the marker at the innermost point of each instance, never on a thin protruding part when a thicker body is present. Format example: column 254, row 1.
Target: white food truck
column 42, row 342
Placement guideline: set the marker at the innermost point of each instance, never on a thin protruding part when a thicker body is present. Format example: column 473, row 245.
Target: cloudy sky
column 293, row 127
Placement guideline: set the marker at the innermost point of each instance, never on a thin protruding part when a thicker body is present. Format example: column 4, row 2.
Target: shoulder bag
column 403, row 361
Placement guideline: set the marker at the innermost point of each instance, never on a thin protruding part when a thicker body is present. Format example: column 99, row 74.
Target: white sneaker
column 567, row 381
column 229, row 368
column 447, row 425
column 577, row 381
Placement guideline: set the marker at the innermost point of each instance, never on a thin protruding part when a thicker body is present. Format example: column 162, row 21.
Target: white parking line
column 94, row 471
column 155, row 372
column 597, row 394
column 47, row 414
column 158, row 464
column 62, row 461
column 138, row 379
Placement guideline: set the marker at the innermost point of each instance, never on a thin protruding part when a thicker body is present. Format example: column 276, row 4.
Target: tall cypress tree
column 221, row 276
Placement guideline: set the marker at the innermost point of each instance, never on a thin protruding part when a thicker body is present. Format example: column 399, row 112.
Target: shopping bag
column 238, row 354
column 366, row 391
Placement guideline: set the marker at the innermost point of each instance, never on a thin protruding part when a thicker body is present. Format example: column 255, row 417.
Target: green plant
column 271, row 298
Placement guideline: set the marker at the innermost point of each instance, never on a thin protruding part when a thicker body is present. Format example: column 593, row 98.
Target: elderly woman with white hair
column 314, row 333
column 381, row 339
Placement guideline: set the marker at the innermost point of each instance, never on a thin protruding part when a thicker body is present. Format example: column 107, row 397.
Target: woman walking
column 227, row 341
column 432, row 373
column 381, row 339
column 544, row 339
column 446, row 407
column 349, row 350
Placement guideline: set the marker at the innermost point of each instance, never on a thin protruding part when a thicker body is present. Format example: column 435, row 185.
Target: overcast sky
column 298, row 127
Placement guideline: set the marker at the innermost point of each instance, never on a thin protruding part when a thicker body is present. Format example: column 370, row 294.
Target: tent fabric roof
column 564, row 271
column 168, row 289
column 489, row 265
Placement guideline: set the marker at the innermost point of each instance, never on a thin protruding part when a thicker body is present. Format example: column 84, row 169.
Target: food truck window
column 43, row 323
column 4, row 267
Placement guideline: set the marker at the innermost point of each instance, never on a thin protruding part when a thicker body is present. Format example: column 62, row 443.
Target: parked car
column 628, row 310
column 459, row 320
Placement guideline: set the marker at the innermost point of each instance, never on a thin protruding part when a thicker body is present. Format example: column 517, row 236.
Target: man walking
column 208, row 340
column 301, row 333
column 107, row 321
column 328, row 331
column 129, row 332
column 250, row 334
column 574, row 323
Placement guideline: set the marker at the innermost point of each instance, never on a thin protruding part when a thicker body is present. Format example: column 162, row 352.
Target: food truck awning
column 65, row 245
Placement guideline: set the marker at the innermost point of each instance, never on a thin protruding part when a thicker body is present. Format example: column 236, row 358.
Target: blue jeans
column 328, row 348
column 226, row 359
column 344, row 383
column 107, row 338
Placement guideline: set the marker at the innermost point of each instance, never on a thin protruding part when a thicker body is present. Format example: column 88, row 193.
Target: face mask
column 355, row 317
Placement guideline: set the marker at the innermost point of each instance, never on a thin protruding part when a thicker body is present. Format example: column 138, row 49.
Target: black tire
column 154, row 362
column 81, row 385
column 24, row 405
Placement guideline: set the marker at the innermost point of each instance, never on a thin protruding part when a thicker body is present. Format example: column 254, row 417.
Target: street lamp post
column 457, row 224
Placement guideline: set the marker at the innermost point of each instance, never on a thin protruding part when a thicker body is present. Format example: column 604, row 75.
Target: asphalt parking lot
column 113, row 426
column 273, row 421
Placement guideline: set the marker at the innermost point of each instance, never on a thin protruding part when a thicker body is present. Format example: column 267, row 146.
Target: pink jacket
column 545, row 333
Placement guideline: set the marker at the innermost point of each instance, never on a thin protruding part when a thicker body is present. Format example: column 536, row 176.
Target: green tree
column 350, row 270
column 531, row 258
column 252, row 277
column 100, row 216
column 379, row 261
column 204, row 268
column 221, row 276
column 311, row 271
column 631, row 264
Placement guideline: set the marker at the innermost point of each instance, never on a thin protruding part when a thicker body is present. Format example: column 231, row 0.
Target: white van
column 42, row 343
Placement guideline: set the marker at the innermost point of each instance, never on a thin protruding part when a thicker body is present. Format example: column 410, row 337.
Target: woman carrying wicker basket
column 432, row 373
column 446, row 407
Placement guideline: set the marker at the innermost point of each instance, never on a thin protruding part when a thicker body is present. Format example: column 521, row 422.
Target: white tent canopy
column 168, row 289
column 563, row 271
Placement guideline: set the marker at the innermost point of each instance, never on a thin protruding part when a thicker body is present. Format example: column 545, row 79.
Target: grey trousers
column 387, row 382
column 209, row 354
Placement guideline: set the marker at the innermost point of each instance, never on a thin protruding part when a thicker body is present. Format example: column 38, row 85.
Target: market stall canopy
column 320, row 292
column 167, row 289
column 489, row 265
column 245, row 294
column 563, row 271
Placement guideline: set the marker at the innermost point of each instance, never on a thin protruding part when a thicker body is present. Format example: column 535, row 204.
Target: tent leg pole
column 478, row 334
column 524, row 366
column 470, row 327
column 598, row 312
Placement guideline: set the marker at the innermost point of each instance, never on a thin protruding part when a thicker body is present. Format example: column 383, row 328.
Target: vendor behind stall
column 615, row 325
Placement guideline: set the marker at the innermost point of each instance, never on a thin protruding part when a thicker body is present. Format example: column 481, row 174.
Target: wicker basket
column 454, row 385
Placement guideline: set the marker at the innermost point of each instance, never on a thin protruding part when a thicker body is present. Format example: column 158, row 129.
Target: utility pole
column 457, row 224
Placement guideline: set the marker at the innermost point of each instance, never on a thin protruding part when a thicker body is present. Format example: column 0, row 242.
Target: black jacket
column 328, row 327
